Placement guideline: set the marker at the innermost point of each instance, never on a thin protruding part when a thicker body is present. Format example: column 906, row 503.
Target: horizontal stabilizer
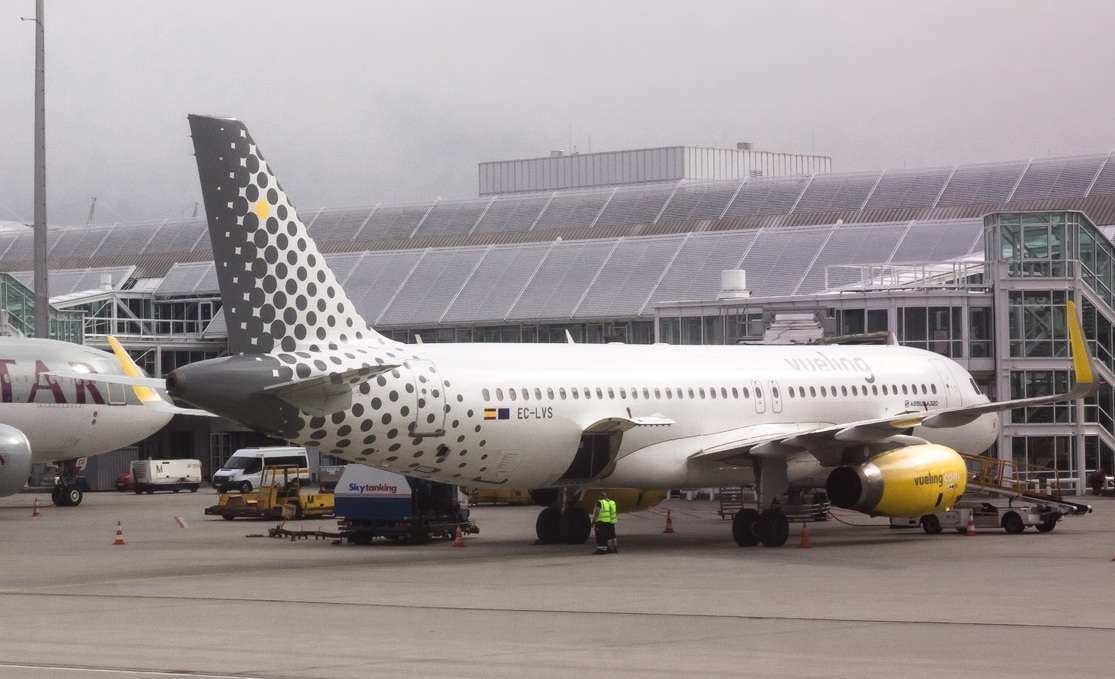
column 325, row 394
column 151, row 382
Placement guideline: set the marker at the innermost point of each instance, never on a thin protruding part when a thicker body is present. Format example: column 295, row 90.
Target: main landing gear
column 569, row 527
column 769, row 527
column 562, row 522
column 66, row 492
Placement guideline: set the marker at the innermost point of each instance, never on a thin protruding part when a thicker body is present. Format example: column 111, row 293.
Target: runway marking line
column 559, row 611
column 124, row 670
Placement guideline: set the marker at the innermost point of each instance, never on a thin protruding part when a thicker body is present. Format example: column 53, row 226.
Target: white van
column 151, row 475
column 244, row 468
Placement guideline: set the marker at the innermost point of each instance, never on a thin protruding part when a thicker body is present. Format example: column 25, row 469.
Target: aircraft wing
column 821, row 439
column 325, row 394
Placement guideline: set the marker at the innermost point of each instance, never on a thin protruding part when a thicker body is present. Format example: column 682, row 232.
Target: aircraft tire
column 576, row 526
column 548, row 526
column 74, row 496
column 773, row 528
column 1012, row 523
column 743, row 527
column 1047, row 524
column 931, row 524
column 57, row 497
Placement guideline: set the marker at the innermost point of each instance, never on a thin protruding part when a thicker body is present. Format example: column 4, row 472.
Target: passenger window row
column 657, row 393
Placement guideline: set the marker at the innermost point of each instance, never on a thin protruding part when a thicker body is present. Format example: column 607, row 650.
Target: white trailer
column 173, row 475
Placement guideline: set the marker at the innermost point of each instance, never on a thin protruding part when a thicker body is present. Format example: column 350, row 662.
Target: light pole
column 42, row 295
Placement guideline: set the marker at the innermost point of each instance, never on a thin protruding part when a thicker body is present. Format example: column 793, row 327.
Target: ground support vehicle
column 173, row 475
column 243, row 470
column 1014, row 518
column 372, row 503
column 280, row 496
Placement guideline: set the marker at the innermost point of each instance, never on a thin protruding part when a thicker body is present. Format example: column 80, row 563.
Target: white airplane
column 877, row 426
column 53, row 410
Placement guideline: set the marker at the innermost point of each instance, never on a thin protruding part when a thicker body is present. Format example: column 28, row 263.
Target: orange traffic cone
column 669, row 523
column 119, row 535
column 35, row 507
column 459, row 541
column 971, row 529
column 805, row 536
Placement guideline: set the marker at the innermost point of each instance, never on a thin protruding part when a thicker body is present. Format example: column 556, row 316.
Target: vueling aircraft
column 50, row 417
column 877, row 426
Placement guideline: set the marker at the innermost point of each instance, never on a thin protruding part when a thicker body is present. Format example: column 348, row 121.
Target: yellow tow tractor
column 279, row 496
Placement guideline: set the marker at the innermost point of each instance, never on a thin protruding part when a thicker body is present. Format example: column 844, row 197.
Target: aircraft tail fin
column 145, row 394
column 277, row 290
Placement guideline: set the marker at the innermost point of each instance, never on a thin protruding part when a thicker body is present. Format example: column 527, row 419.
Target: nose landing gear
column 66, row 492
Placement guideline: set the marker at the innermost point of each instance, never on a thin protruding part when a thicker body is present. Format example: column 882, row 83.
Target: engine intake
column 909, row 481
column 15, row 460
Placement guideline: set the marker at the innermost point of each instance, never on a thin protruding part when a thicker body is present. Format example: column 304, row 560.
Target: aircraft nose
column 174, row 383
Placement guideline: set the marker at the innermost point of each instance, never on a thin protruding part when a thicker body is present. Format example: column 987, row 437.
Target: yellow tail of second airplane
column 144, row 394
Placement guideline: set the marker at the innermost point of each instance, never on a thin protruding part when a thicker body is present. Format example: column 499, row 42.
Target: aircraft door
column 760, row 398
column 775, row 397
column 946, row 378
column 429, row 413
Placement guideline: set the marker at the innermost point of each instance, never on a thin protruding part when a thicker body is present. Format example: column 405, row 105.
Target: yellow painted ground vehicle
column 279, row 496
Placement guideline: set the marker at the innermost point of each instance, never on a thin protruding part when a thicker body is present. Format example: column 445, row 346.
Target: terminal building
column 681, row 245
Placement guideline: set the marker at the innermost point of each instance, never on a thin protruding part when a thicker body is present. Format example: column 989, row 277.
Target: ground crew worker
column 604, row 516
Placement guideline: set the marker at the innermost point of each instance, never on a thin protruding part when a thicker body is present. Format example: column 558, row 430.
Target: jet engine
column 911, row 481
column 15, row 460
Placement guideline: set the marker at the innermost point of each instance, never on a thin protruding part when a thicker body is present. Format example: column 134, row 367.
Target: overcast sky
column 358, row 102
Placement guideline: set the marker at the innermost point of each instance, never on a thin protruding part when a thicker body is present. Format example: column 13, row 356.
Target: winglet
column 1081, row 359
column 144, row 394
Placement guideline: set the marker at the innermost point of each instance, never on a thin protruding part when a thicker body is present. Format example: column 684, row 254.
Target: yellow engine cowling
column 627, row 499
column 910, row 481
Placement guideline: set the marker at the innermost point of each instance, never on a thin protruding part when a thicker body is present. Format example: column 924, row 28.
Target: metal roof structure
column 611, row 278
column 890, row 196
column 68, row 281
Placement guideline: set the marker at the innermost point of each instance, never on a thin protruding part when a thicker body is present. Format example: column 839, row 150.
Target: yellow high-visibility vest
column 607, row 513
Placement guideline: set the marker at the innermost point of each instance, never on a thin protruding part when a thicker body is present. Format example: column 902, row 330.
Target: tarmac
column 205, row 601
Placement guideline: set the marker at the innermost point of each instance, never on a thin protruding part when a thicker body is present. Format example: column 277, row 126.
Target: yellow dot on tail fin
column 262, row 209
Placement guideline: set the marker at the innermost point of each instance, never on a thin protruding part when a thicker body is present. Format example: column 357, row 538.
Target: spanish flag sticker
column 497, row 413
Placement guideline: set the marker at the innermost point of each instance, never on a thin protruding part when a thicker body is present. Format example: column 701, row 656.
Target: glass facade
column 19, row 303
column 628, row 332
column 1037, row 324
column 936, row 328
column 1036, row 244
